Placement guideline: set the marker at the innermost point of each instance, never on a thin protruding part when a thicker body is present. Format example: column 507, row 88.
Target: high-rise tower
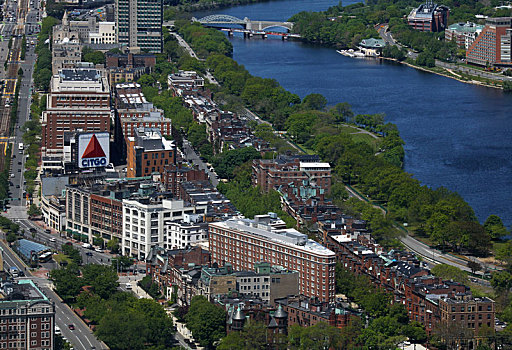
column 139, row 24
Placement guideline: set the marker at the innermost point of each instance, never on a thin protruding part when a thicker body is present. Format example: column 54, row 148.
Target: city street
column 81, row 337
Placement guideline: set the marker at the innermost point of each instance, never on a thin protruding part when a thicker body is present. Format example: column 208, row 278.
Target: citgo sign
column 93, row 150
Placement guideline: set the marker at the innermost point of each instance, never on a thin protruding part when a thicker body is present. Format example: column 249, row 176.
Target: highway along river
column 457, row 135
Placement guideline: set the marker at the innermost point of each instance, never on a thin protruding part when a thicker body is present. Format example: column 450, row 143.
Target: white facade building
column 105, row 34
column 144, row 223
column 188, row 232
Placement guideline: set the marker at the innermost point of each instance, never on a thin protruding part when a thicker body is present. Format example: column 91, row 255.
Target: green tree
column 449, row 272
column 95, row 57
column 474, row 266
column 122, row 263
column 206, row 321
column 11, row 238
column 123, row 330
column 494, row 227
column 253, row 336
column 318, row 337
column 66, row 281
column 103, row 279
column 113, row 245
column 501, row 281
column 72, row 253
column 314, row 101
column 34, row 210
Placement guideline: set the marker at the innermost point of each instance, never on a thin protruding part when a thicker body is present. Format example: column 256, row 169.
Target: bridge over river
column 248, row 27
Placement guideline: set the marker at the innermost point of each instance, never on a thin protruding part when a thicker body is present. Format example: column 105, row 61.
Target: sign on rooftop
column 93, row 150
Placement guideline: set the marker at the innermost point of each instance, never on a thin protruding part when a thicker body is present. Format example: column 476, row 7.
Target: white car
column 99, row 250
column 128, row 286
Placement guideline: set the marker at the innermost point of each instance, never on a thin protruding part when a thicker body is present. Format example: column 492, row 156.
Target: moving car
column 71, row 326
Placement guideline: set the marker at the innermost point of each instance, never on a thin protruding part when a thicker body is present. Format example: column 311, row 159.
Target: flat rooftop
column 21, row 290
column 289, row 237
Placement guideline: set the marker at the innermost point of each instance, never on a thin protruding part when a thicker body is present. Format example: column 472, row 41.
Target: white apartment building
column 187, row 232
column 144, row 223
column 105, row 34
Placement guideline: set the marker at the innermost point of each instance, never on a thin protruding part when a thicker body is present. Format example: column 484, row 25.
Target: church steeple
column 65, row 21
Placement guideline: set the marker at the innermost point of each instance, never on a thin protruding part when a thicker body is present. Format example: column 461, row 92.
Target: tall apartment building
column 139, row 24
column 149, row 152
column 493, row 45
column 78, row 99
column 144, row 223
column 190, row 231
column 271, row 173
column 243, row 243
column 27, row 317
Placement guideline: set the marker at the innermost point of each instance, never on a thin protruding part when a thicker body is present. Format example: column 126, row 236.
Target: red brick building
column 133, row 111
column 429, row 17
column 175, row 174
column 106, row 217
column 272, row 173
column 148, row 153
column 78, row 99
column 493, row 45
column 27, row 317
column 242, row 243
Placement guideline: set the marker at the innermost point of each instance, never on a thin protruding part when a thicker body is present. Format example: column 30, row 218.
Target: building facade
column 78, row 99
column 429, row 17
column 27, row 317
column 139, row 24
column 144, row 223
column 148, row 152
column 243, row 243
column 494, row 45
column 463, row 34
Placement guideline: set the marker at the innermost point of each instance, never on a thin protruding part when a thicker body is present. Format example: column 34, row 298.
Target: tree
column 206, row 321
column 474, row 266
column 318, row 337
column 253, row 336
column 11, row 238
column 449, row 272
column 501, row 281
column 123, row 330
column 95, row 57
column 72, row 253
column 113, row 245
column 494, row 227
column 102, row 279
column 415, row 331
column 34, row 210
column 66, row 281
column 122, row 263
column 314, row 101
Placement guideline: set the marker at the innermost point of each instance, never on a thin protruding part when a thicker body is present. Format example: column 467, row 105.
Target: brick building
column 130, row 60
column 175, row 174
column 272, row 173
column 133, row 111
column 27, row 317
column 97, row 210
column 78, row 99
column 148, row 152
column 243, row 243
column 493, row 45
column 463, row 34
column 429, row 17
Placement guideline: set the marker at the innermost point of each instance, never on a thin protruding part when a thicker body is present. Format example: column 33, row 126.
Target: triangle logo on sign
column 93, row 149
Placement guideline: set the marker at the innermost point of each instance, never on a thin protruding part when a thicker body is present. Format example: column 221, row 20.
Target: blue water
column 457, row 135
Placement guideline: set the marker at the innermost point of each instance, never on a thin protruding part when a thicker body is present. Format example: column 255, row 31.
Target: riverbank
column 448, row 74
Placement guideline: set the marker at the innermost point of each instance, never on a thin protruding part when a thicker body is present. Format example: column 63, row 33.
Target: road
column 191, row 155
column 17, row 182
column 81, row 337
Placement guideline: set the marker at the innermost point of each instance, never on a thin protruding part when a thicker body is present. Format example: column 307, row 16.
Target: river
column 457, row 135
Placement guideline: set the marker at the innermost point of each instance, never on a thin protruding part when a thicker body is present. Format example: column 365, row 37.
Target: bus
column 45, row 256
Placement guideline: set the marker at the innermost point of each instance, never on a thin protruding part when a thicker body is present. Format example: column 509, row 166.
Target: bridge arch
column 287, row 28
column 211, row 19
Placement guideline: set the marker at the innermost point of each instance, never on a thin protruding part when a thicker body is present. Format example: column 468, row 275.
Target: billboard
column 93, row 150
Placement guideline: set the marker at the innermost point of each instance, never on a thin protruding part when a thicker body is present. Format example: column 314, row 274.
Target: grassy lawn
column 59, row 258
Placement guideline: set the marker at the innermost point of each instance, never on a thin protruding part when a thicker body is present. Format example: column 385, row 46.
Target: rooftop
column 289, row 237
column 79, row 74
column 21, row 290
